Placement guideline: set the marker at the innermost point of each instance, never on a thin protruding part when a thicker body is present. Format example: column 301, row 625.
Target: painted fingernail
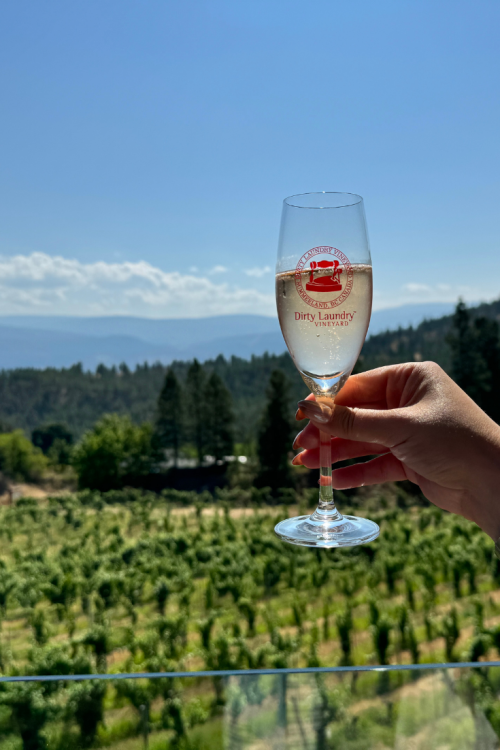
column 297, row 460
column 317, row 411
column 299, row 416
column 296, row 442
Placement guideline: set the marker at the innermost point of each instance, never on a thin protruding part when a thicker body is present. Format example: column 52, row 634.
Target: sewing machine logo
column 330, row 282
column 324, row 282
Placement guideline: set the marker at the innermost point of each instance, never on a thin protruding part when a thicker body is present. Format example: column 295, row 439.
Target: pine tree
column 170, row 415
column 488, row 345
column 469, row 370
column 476, row 359
column 275, row 435
column 219, row 418
column 196, row 412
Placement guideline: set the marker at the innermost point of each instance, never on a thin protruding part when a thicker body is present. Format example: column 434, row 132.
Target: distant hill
column 31, row 397
column 426, row 341
column 37, row 341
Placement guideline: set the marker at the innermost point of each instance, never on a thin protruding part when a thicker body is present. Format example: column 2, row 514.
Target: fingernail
column 317, row 411
column 299, row 416
column 297, row 460
column 296, row 443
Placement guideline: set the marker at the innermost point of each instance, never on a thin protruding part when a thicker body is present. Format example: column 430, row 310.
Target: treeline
column 195, row 418
column 428, row 341
column 30, row 398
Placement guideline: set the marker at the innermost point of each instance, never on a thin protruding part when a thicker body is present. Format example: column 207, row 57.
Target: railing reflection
column 422, row 707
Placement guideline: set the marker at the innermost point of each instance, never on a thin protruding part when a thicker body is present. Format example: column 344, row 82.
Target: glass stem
column 326, row 510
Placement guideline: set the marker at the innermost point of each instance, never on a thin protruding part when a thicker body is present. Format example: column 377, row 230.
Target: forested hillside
column 428, row 341
column 29, row 397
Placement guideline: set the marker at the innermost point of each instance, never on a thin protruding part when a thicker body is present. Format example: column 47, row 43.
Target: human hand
column 422, row 427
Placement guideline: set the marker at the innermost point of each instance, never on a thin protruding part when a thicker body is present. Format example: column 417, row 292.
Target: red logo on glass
column 322, row 281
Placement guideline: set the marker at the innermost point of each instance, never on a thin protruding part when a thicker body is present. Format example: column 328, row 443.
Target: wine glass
column 324, row 299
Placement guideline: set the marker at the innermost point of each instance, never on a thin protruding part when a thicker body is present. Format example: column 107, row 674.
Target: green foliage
column 248, row 609
column 344, row 626
column 381, row 637
column 479, row 646
column 115, row 453
column 79, row 559
column 475, row 349
column 31, row 710
column 7, row 585
column 98, row 639
column 19, row 459
column 412, row 643
column 274, row 435
column 196, row 418
column 169, row 425
column 205, row 628
column 450, row 631
column 468, row 366
column 39, row 625
column 162, row 592
column 219, row 418
column 55, row 441
column 86, row 706
column 30, row 398
column 402, row 623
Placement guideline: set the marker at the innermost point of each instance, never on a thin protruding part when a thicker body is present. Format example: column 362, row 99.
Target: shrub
column 19, row 459
column 115, row 453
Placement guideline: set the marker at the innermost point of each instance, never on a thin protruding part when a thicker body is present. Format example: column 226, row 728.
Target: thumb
column 387, row 427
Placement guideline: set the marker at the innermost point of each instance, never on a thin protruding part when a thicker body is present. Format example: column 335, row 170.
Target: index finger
column 374, row 389
column 366, row 390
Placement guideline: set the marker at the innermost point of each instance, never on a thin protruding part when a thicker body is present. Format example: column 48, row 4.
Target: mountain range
column 44, row 341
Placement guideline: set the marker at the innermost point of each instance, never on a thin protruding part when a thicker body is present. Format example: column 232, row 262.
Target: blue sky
column 147, row 148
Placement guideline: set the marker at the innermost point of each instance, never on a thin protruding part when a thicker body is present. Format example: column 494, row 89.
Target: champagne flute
column 324, row 299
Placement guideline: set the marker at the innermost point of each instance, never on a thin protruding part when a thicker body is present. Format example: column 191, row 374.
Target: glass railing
column 417, row 707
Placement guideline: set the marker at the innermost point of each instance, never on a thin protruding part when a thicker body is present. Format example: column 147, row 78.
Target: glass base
column 349, row 531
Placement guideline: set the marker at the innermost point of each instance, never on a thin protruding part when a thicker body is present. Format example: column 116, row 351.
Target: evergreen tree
column 196, row 413
column 469, row 369
column 275, row 435
column 170, row 415
column 219, row 418
column 488, row 344
column 475, row 348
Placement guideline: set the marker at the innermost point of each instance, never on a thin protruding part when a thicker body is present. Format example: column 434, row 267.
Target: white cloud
column 443, row 292
column 418, row 293
column 45, row 284
column 416, row 288
column 258, row 272
column 217, row 269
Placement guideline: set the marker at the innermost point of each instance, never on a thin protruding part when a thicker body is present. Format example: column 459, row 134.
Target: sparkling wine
column 324, row 331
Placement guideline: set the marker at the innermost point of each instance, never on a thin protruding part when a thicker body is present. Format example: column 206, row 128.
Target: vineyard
column 130, row 581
